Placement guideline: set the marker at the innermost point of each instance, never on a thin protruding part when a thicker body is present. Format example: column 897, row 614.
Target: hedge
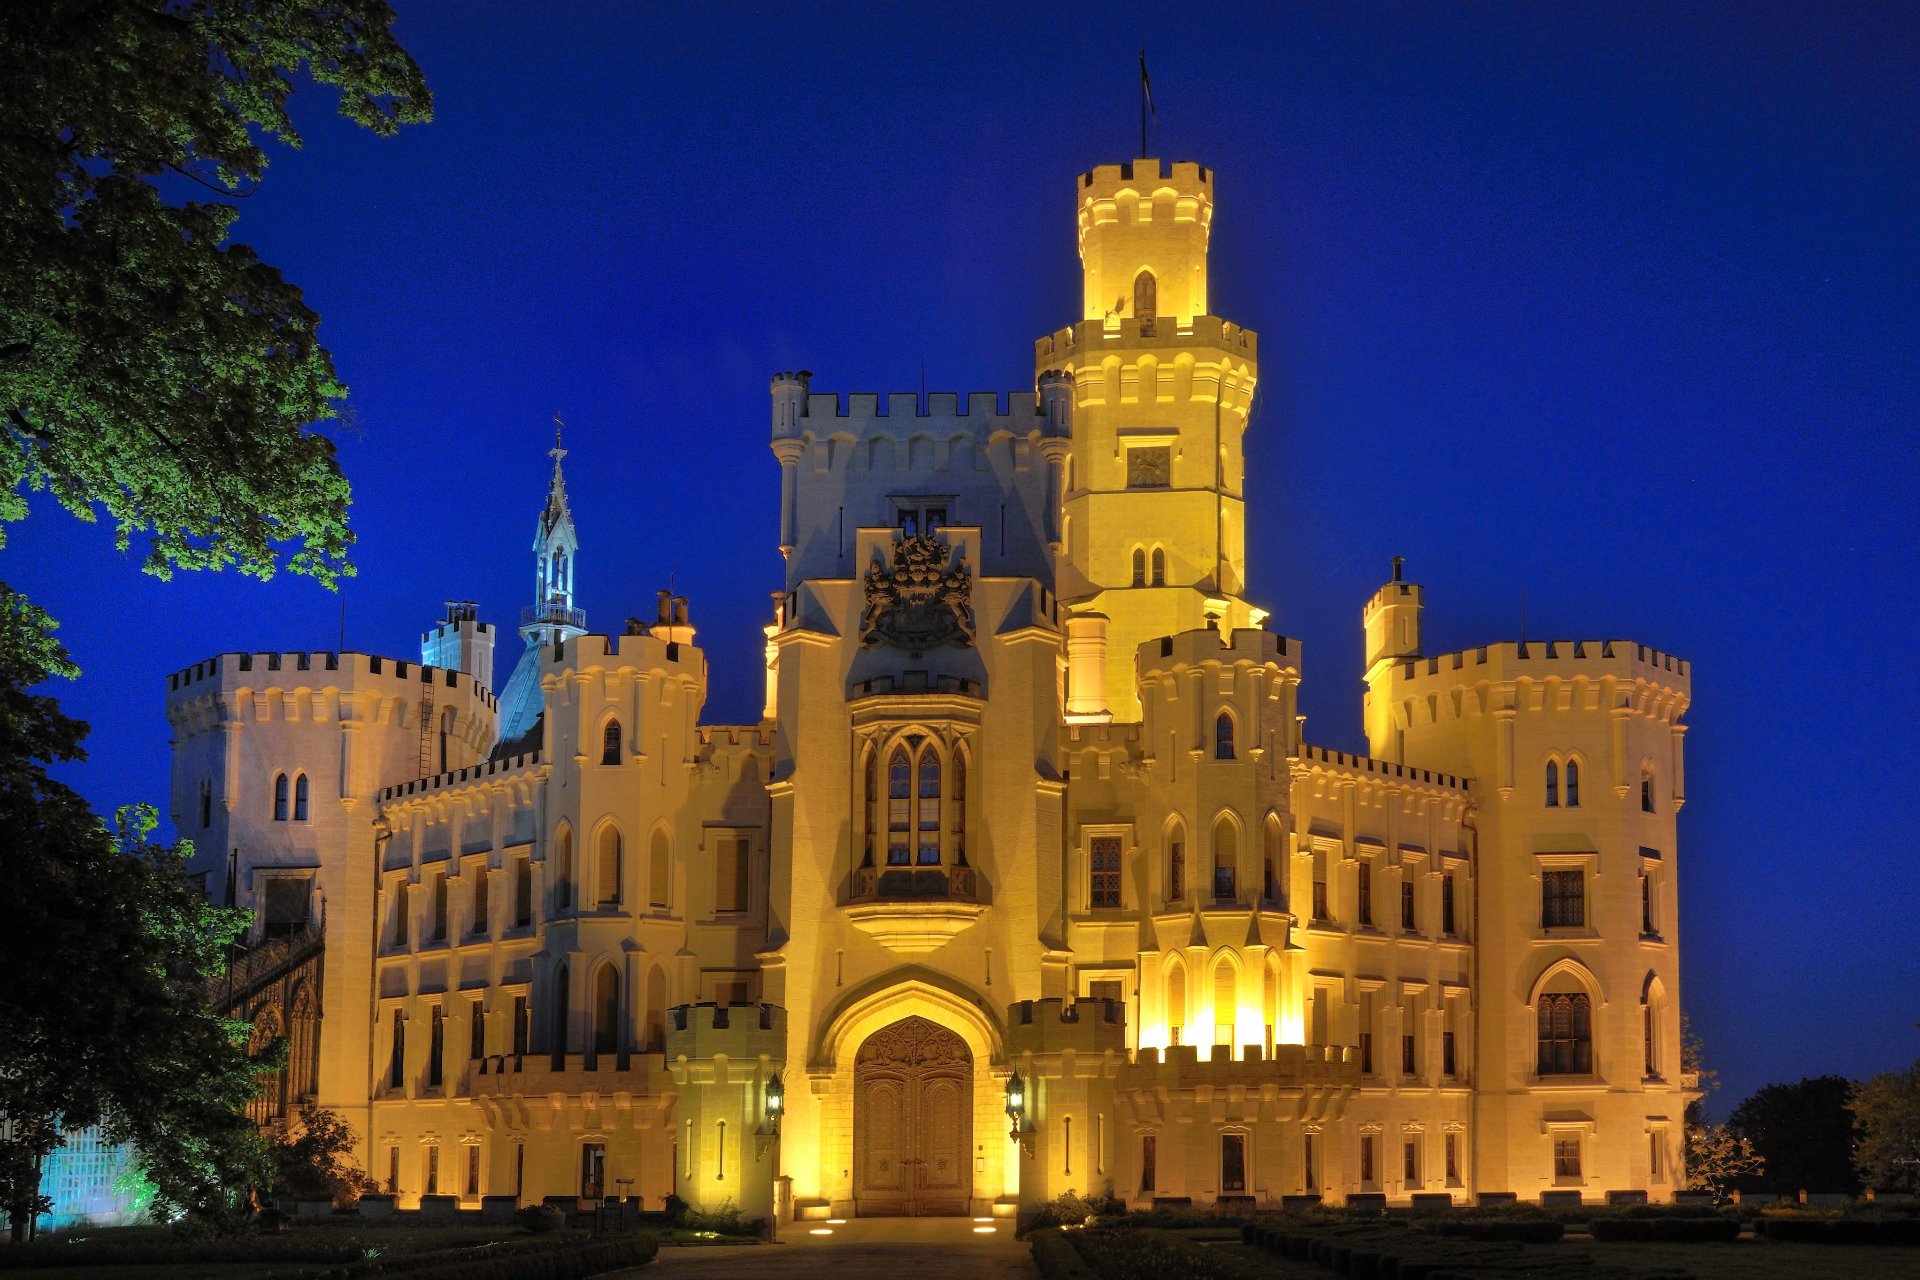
column 522, row 1259
column 1798, row 1230
column 1502, row 1230
column 1056, row 1259
column 1670, row 1230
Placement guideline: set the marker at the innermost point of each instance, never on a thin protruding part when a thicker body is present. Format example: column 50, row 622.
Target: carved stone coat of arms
column 923, row 600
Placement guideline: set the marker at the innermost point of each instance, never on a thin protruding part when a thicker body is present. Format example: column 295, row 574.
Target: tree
column 148, row 368
column 1887, row 1107
column 1716, row 1159
column 105, row 946
column 317, row 1164
column 1803, row 1132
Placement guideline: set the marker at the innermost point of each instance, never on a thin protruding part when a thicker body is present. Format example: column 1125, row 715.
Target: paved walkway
column 862, row 1249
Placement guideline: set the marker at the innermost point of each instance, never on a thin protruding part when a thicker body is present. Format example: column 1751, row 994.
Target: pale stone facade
column 1029, row 812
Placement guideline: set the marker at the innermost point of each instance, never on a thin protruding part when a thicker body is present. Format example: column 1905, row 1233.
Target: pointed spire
column 556, row 509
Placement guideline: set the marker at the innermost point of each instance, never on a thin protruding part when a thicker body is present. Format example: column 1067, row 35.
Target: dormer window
column 919, row 517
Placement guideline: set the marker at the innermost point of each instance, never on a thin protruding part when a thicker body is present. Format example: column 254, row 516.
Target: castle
column 1026, row 881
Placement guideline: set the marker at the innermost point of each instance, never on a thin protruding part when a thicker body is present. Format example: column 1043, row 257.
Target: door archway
column 913, row 1121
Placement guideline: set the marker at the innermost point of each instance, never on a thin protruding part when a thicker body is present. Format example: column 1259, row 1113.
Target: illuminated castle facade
column 1026, row 880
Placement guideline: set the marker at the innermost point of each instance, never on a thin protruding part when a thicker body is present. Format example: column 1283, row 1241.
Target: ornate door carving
column 913, row 1121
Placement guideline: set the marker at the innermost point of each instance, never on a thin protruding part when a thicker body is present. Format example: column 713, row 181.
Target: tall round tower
column 1154, row 522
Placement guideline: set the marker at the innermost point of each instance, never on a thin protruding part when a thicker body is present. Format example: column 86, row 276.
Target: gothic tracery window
column 929, row 807
column 899, row 807
column 1565, row 1034
column 610, row 743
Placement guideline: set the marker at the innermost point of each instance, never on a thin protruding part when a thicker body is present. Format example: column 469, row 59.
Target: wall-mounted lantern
column 1020, row 1131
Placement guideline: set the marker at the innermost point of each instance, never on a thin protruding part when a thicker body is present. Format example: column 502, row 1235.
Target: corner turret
column 461, row 643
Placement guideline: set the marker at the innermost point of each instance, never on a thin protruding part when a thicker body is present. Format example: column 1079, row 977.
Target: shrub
column 1503, row 1230
column 1129, row 1253
column 1056, row 1259
column 1795, row 1229
column 541, row 1218
column 1073, row 1210
column 1667, row 1230
column 574, row 1262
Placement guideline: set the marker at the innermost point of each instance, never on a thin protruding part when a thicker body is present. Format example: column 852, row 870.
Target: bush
column 574, row 1262
column 541, row 1218
column 1795, row 1229
column 1496, row 1230
column 1056, row 1259
column 1074, row 1210
column 1667, row 1230
column 1128, row 1253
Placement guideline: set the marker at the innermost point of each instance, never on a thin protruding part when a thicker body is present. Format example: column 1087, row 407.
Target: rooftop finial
column 1397, row 562
column 557, row 452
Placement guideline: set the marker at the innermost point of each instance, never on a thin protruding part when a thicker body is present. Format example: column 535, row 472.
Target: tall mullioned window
column 1223, row 736
column 300, row 798
column 1176, row 866
column 1573, row 784
column 1553, row 784
column 279, row 797
column 1563, row 899
column 872, row 803
column 899, row 808
column 1105, row 870
column 1565, row 1034
column 929, row 806
column 1146, row 297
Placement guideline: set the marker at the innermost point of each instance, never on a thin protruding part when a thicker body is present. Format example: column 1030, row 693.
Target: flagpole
column 1143, row 104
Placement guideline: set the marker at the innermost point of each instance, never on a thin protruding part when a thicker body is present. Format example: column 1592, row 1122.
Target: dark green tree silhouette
column 149, row 369
column 1804, row 1132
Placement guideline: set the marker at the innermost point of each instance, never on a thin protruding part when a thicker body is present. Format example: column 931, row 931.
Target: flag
column 1146, row 86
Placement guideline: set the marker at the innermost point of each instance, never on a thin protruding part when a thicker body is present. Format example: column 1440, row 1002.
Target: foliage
column 341, row 1249
column 317, row 1163
column 1132, row 1253
column 541, row 1218
column 1671, row 1230
column 1716, row 1159
column 148, row 367
column 1056, row 1259
column 105, row 942
column 1073, row 1210
column 1803, row 1132
column 1887, row 1108
column 1801, row 1229
column 1526, row 1229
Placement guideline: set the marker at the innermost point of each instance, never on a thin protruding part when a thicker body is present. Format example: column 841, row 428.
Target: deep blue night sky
column 1612, row 303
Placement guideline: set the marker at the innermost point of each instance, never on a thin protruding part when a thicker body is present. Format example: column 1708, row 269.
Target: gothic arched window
column 1159, row 566
column 1573, row 784
column 1553, row 784
column 899, row 806
column 1146, row 302
column 610, row 866
column 562, row 999
column 870, row 803
column 610, row 743
column 1646, row 790
column 929, row 806
column 279, row 797
column 1273, row 864
column 300, row 797
column 1223, row 736
column 1226, row 857
column 562, row 869
column 1139, row 567
column 659, row 869
column 1176, row 863
column 959, row 808
column 606, row 1010
column 1565, row 1034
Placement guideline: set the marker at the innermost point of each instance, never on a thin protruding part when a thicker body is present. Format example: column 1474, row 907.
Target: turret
column 552, row 616
column 1143, row 240
column 461, row 643
column 1391, row 622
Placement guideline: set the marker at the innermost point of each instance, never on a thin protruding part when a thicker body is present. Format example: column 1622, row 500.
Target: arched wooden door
column 913, row 1121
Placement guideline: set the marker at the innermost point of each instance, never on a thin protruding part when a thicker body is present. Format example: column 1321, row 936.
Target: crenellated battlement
column 453, row 779
column 1184, row 176
column 755, row 736
column 1053, row 1025
column 1090, row 340
column 316, row 669
column 1112, row 737
column 1015, row 410
column 737, row 1032
column 1546, row 660
column 1224, row 648
column 633, row 650
column 1366, row 766
column 1180, row 1067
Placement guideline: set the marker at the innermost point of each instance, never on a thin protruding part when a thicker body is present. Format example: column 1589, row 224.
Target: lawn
column 307, row 1251
column 1745, row 1259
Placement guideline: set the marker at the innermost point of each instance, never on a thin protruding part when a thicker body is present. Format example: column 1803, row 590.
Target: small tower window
column 1223, row 737
column 1553, row 784
column 1646, row 791
column 611, row 861
column 300, row 798
column 610, row 743
column 1139, row 567
column 1176, row 865
column 1159, row 567
column 1573, row 784
column 279, row 797
column 1146, row 304
column 1226, row 857
column 206, row 803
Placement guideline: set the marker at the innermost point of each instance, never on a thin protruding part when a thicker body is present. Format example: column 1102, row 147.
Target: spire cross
column 557, row 453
